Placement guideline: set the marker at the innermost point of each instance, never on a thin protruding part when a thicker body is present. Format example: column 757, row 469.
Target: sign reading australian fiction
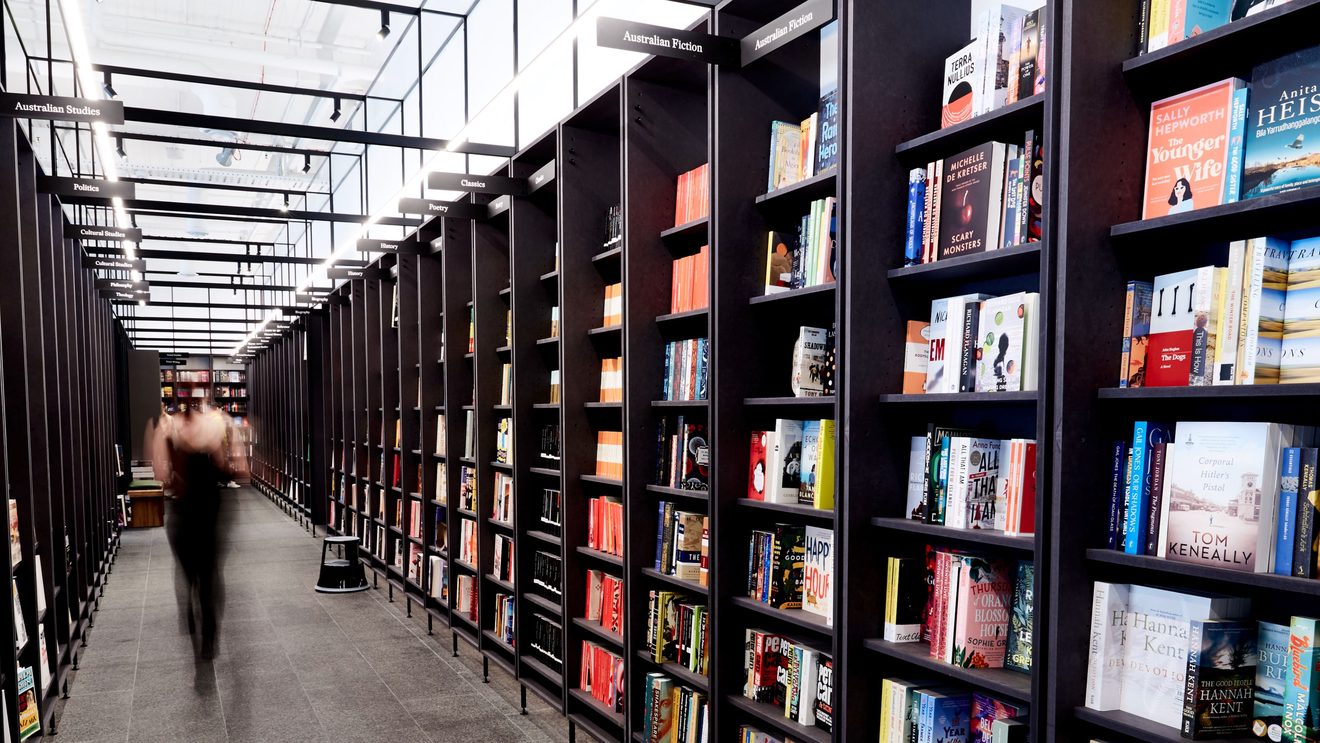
column 387, row 246
column 663, row 41
column 59, row 108
column 105, row 232
column 792, row 25
column 452, row 209
column 87, row 187
column 123, row 284
column 497, row 184
column 118, row 264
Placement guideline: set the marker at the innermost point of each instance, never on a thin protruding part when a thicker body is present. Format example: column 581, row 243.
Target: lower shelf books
column 547, row 638
column 415, row 563
column 963, row 481
column 466, row 586
column 503, row 567
column 804, row 257
column 794, row 463
column 605, row 601
column 687, row 366
column 683, row 454
column 605, row 524
column 549, row 448
column 1139, row 647
column 502, row 505
column 915, row 709
column 552, row 517
column 609, row 454
column 676, row 631
column 504, row 440
column 547, row 572
column 439, row 579
column 504, row 617
column 601, row 675
column 467, row 488
column 681, row 542
column 672, row 713
column 29, row 716
column 981, row 343
column 689, row 287
column 792, row 567
column 467, row 546
column 791, row 676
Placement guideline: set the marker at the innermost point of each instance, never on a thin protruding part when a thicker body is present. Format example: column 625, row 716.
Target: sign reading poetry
column 451, row 209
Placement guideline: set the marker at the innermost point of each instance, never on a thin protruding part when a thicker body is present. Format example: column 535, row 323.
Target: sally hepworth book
column 1188, row 149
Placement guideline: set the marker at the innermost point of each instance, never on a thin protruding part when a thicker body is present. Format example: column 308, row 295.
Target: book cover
column 818, row 573
column 1187, row 149
column 1001, row 332
column 1181, row 305
column 1223, row 489
column 1270, row 310
column 985, row 710
column 980, row 624
column 916, row 356
column 936, row 330
column 1308, row 513
column 1221, row 676
column 916, row 480
column 1282, row 151
column 756, row 469
column 1273, row 675
column 1301, row 706
column 959, row 338
column 970, row 200
column 1285, row 534
column 788, row 566
column 1020, row 621
column 787, row 474
column 825, row 692
column 1136, row 333
column 905, row 599
column 1299, row 353
column 1145, row 435
column 810, row 445
column 1029, row 45
column 808, row 360
column 29, row 716
column 779, row 262
column 978, row 474
column 994, row 26
column 961, row 84
column 1105, row 650
column 823, row 498
column 916, row 217
column 827, row 132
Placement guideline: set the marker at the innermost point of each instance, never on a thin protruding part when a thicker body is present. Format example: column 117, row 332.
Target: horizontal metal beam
column 188, row 331
column 305, row 131
column 180, row 77
column 192, row 217
column 214, row 240
column 222, row 287
column 220, row 144
column 246, row 211
column 219, row 186
column 157, row 318
column 377, row 5
column 204, row 305
column 190, row 255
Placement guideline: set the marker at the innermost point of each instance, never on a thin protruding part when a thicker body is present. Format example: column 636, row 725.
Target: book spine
column 1193, row 678
column 1135, row 505
column 1285, row 531
column 1237, row 134
column 933, row 214
column 1227, row 343
column 1143, row 26
column 1307, row 497
column 967, row 358
column 1126, row 354
column 1156, row 500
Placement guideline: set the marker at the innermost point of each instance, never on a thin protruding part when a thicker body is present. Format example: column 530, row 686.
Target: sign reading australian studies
column 49, row 107
column 663, row 41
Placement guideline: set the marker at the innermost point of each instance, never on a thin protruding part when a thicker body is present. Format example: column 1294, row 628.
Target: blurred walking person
column 191, row 459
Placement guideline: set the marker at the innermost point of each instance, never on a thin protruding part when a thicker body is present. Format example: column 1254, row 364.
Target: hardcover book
column 818, row 573
column 1267, row 339
column 985, row 710
column 808, row 362
column 756, row 470
column 980, row 625
column 1136, row 334
column 1002, row 334
column 1021, row 619
column 1182, row 305
column 1221, row 673
column 1299, row 355
column 786, row 473
column 905, row 599
column 916, row 480
column 1301, row 706
column 970, row 201
column 1273, row 675
column 1282, row 150
column 936, row 330
column 1188, row 149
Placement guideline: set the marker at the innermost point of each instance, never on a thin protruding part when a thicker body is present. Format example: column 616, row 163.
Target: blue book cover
column 1273, row 675
column 916, row 216
column 1299, row 352
column 1290, row 470
column 1301, row 706
column 950, row 717
column 1237, row 137
column 1203, row 15
column 1282, row 151
column 1145, row 435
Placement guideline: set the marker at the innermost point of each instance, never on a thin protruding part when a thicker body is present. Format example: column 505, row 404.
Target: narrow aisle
column 292, row 664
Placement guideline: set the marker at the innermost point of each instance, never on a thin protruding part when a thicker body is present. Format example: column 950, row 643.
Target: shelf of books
column 287, row 454
column 538, row 540
column 65, row 357
column 591, row 272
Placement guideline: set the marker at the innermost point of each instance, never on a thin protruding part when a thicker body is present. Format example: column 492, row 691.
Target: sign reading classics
column 120, row 264
column 106, row 232
column 59, row 108
column 663, row 41
column 387, row 246
column 336, row 274
column 792, row 25
column 123, row 284
column 497, row 184
column 451, row 209
column 87, row 187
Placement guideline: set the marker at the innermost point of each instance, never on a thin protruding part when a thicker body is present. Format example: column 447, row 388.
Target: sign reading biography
column 387, row 246
column 88, row 187
column 451, row 209
column 105, row 232
column 337, row 274
column 60, row 108
column 663, row 41
column 117, row 264
column 122, row 284
column 792, row 25
column 496, row 184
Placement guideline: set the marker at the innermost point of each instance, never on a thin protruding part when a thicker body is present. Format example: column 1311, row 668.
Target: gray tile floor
column 293, row 665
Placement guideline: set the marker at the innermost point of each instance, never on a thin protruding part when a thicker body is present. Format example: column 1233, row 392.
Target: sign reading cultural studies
column 792, row 25
column 496, row 184
column 24, row 106
column 451, row 209
column 387, row 246
column 663, row 41
column 105, row 232
column 87, row 187
column 116, row 264
column 122, row 284
column 336, row 274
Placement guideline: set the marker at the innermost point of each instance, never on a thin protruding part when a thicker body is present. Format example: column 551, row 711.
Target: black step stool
column 341, row 575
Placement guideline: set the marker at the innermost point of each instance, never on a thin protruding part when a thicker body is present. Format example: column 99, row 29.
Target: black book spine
column 1308, row 501
column 967, row 363
column 1193, row 679
column 1116, row 491
column 1154, row 504
column 1143, row 27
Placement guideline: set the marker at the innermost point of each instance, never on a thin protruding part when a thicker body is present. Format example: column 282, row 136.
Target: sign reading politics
column 87, row 187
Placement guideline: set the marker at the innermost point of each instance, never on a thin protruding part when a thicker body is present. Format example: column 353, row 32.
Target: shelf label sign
column 355, row 273
column 296, row 311
column 386, row 246
column 87, row 187
column 496, row 184
column 116, row 264
column 451, row 209
column 60, row 108
column 663, row 41
column 790, row 26
column 498, row 206
column 122, row 284
column 541, row 177
column 106, row 232
column 118, row 295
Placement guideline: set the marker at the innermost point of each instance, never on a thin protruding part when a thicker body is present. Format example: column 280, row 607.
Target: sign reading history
column 60, row 108
column 663, row 41
column 496, row 184
column 788, row 27
column 119, row 264
column 105, row 232
column 356, row 273
column 87, row 187
column 387, row 246
column 451, row 209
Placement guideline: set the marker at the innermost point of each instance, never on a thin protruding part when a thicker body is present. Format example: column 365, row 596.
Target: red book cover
column 756, row 469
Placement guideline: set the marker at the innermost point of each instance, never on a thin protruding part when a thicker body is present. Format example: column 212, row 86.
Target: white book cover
column 787, row 473
column 1227, row 344
column 41, row 585
column 1223, row 488
column 993, row 29
column 1170, row 450
column 1031, row 343
column 1154, row 640
column 809, row 362
column 1004, row 479
column 45, row 657
column 953, row 330
column 939, row 313
column 807, row 691
column 1104, row 663
column 818, row 573
column 916, row 479
column 1001, row 330
column 955, row 500
column 20, row 628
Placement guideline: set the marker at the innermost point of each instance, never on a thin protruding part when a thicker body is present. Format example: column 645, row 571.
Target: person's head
column 1182, row 191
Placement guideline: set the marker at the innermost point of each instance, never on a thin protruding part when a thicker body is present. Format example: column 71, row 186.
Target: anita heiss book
column 1282, row 150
